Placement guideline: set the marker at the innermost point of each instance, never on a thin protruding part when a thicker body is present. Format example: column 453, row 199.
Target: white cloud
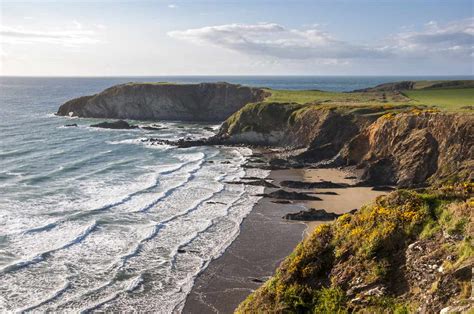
column 274, row 40
column 452, row 39
column 172, row 6
column 73, row 37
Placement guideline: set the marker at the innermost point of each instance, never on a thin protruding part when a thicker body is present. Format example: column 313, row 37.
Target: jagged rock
column 120, row 124
column 185, row 143
column 164, row 101
column 71, row 125
column 313, row 185
column 282, row 194
column 311, row 214
column 260, row 182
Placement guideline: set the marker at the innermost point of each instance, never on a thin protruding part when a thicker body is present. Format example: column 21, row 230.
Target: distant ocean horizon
column 343, row 83
column 94, row 219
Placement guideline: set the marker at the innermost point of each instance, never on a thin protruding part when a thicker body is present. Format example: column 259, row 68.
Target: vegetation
column 360, row 263
column 447, row 99
column 446, row 95
column 322, row 97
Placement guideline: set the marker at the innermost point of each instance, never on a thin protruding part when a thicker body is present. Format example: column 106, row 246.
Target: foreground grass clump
column 369, row 262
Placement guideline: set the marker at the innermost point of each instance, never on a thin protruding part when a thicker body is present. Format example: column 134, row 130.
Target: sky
column 318, row 37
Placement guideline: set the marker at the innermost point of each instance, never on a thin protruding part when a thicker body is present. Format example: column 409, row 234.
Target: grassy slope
column 322, row 97
column 447, row 99
column 364, row 249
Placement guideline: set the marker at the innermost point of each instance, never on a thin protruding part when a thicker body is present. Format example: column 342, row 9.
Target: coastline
column 266, row 239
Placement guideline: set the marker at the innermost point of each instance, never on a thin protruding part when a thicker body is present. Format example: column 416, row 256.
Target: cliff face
column 412, row 148
column 143, row 101
column 393, row 145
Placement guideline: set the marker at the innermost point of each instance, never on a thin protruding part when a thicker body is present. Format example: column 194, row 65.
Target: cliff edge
column 164, row 101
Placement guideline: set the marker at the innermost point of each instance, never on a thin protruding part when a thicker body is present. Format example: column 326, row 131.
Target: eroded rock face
column 147, row 101
column 409, row 149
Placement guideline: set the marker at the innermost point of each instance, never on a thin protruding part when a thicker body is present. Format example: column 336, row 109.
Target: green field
column 336, row 98
column 447, row 99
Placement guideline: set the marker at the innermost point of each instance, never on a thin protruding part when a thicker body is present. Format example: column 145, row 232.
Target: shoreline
column 266, row 239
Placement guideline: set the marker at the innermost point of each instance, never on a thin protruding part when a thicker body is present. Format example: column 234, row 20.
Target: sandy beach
column 266, row 238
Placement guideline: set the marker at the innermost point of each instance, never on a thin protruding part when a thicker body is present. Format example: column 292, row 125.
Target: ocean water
column 94, row 219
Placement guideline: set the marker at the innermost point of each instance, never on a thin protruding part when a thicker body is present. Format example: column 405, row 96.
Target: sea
column 101, row 220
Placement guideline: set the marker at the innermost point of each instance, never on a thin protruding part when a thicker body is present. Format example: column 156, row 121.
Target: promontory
column 164, row 101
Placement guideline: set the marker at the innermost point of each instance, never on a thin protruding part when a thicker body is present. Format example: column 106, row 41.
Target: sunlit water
column 94, row 219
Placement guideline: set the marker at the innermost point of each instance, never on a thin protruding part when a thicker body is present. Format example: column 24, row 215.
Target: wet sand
column 265, row 239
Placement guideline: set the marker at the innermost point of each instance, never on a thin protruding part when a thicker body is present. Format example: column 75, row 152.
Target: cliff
column 163, row 101
column 398, row 145
column 407, row 252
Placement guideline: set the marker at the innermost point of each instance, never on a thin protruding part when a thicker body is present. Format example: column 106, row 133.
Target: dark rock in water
column 257, row 280
column 226, row 162
column 258, row 182
column 181, row 251
column 119, row 124
column 207, row 128
column 185, row 143
column 282, row 194
column 153, row 127
column 251, row 178
column 383, row 188
column 282, row 202
column 311, row 214
column 71, row 125
column 313, row 185
column 213, row 202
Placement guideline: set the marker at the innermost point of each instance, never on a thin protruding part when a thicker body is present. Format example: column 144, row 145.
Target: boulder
column 120, row 124
column 282, row 194
column 311, row 215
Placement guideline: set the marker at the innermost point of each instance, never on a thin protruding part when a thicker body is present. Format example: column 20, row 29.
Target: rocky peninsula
column 164, row 101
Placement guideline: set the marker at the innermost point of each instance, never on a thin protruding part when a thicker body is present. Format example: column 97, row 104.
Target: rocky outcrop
column 117, row 125
column 410, row 149
column 163, row 101
column 291, row 195
column 311, row 214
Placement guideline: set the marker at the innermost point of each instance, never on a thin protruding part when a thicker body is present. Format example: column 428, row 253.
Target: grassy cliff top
column 445, row 95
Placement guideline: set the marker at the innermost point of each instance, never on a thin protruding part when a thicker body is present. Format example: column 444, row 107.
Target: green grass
column 447, row 99
column 322, row 97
